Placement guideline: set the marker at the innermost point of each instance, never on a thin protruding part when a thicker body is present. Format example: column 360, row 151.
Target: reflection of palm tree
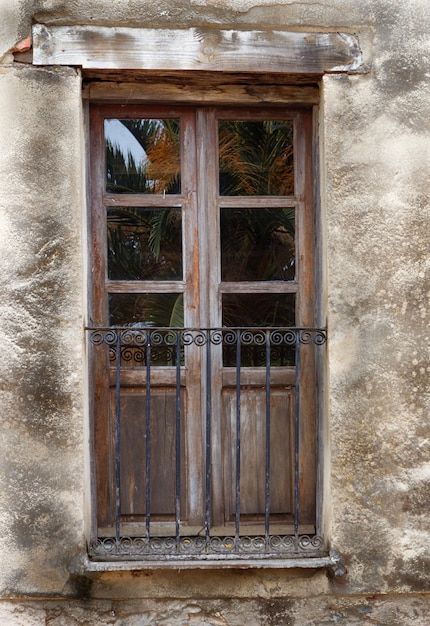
column 256, row 158
column 257, row 244
column 144, row 244
column 159, row 172
column 123, row 174
column 147, row 309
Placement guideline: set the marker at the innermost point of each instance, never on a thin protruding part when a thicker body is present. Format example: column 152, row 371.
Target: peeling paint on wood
column 195, row 49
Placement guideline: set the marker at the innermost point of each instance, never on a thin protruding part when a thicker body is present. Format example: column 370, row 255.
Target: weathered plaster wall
column 375, row 159
column 378, row 242
column 41, row 310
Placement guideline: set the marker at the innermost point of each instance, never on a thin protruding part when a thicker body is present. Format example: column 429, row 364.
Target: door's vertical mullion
column 192, row 428
column 210, row 303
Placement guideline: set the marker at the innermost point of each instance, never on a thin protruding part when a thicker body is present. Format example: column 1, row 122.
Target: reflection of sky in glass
column 120, row 136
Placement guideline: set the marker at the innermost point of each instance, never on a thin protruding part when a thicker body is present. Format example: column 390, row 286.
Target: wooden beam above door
column 207, row 49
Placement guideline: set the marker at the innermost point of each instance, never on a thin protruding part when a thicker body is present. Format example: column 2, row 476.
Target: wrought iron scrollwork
column 262, row 347
column 253, row 343
column 276, row 546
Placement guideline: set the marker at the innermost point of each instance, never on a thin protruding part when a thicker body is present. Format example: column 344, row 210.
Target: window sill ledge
column 334, row 562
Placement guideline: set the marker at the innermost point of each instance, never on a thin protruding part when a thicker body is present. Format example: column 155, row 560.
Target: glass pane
column 141, row 311
column 258, row 310
column 257, row 244
column 142, row 156
column 256, row 158
column 146, row 309
column 144, row 244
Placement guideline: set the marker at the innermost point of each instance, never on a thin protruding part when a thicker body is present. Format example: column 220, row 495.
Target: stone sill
column 332, row 562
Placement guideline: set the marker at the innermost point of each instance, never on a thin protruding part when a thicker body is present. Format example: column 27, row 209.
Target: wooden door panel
column 253, row 451
column 162, row 456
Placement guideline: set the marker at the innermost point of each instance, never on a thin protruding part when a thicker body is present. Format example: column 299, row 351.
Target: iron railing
column 149, row 347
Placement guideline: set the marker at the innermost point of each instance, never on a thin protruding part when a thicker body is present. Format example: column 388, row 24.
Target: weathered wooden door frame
column 206, row 269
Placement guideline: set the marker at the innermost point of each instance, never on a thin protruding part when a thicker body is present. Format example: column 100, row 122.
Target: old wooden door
column 202, row 218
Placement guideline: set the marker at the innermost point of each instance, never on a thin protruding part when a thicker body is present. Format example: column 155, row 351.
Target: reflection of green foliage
column 256, row 158
column 257, row 244
column 165, row 231
column 147, row 309
column 140, row 310
column 159, row 172
column 264, row 310
column 123, row 176
column 258, row 310
column 144, row 244
column 176, row 316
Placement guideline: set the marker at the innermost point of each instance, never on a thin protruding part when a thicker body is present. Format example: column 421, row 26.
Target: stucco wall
column 42, row 418
column 374, row 139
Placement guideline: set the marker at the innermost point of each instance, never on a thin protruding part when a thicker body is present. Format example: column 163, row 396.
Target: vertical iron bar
column 238, row 372
column 297, row 436
column 117, row 437
column 267, row 494
column 178, row 437
column 148, row 437
column 208, row 438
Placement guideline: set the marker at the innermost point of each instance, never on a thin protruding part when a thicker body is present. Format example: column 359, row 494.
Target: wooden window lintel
column 205, row 49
